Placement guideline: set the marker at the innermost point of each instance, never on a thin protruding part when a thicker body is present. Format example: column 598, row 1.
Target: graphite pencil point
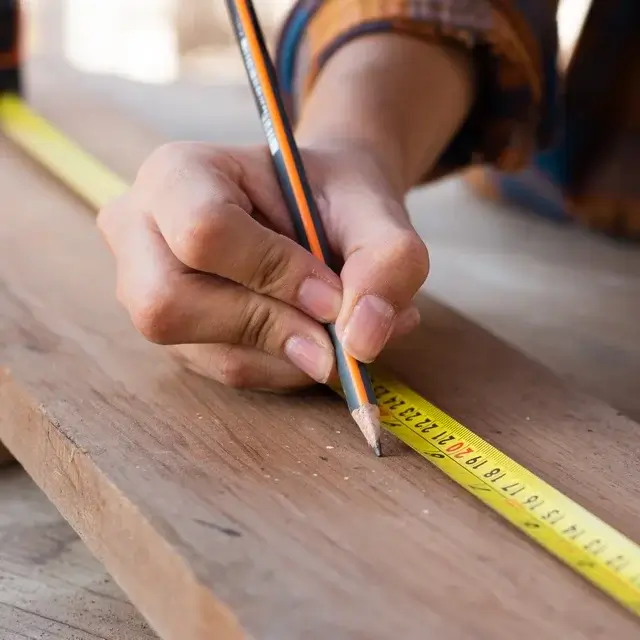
column 367, row 417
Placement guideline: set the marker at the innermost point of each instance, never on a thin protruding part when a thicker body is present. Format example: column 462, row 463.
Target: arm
column 368, row 96
column 429, row 86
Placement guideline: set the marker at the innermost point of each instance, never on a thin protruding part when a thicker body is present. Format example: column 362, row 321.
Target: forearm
column 400, row 98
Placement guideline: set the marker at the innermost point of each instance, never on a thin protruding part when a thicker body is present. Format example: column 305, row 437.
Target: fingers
column 386, row 263
column 406, row 322
column 205, row 218
column 202, row 309
column 169, row 304
column 242, row 367
column 198, row 271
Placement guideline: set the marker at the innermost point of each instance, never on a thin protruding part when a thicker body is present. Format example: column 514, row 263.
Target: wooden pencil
column 310, row 233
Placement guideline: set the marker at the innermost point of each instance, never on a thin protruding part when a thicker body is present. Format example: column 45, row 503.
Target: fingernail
column 368, row 328
column 320, row 299
column 312, row 358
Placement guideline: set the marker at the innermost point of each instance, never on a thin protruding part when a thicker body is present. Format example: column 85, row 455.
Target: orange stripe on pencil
column 354, row 377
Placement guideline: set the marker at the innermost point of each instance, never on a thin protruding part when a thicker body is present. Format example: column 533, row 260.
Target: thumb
column 385, row 264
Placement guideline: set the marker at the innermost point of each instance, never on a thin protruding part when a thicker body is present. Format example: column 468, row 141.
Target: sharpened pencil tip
column 367, row 417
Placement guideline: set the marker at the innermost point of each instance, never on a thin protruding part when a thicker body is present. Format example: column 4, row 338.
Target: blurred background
column 568, row 298
column 157, row 41
column 178, row 51
column 148, row 41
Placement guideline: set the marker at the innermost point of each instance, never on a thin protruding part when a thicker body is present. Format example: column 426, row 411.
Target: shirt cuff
column 514, row 46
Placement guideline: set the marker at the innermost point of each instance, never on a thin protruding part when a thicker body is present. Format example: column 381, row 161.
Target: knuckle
column 218, row 158
column 152, row 311
column 173, row 160
column 408, row 250
column 257, row 325
column 231, row 370
column 199, row 175
column 272, row 270
column 202, row 233
column 166, row 160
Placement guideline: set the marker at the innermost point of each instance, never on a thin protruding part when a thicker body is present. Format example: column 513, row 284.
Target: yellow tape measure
column 585, row 543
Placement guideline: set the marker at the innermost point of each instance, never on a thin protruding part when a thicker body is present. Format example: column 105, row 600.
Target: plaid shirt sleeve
column 514, row 43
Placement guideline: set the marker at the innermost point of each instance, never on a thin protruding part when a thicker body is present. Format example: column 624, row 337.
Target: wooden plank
column 247, row 515
column 50, row 585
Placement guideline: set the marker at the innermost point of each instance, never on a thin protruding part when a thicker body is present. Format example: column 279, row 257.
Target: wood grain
column 243, row 515
column 51, row 588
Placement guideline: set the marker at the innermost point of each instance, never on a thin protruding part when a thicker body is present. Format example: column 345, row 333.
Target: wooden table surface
column 50, row 585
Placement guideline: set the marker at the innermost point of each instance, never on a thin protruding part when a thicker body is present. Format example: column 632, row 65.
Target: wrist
column 381, row 155
column 397, row 98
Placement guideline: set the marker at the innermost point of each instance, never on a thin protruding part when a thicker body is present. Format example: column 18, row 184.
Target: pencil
column 355, row 380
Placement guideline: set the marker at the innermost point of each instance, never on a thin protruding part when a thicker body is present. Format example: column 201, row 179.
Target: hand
column 206, row 263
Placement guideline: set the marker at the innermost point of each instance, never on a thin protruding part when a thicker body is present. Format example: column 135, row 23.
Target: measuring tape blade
column 589, row 546
column 69, row 163
column 585, row 543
